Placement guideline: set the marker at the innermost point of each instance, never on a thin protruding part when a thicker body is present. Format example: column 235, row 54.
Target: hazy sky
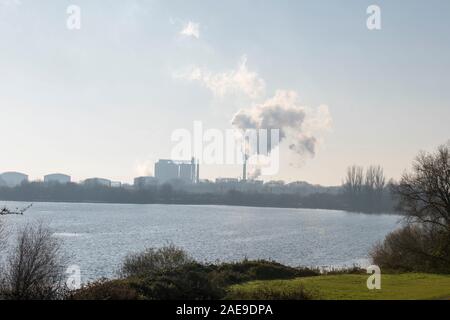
column 105, row 99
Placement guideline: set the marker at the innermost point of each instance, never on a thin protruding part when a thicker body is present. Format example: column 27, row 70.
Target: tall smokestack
column 244, row 169
column 198, row 172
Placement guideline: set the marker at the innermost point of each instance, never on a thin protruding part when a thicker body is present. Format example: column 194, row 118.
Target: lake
column 98, row 236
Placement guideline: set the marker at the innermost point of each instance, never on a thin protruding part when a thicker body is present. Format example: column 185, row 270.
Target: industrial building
column 166, row 170
column 13, row 179
column 57, row 178
column 187, row 171
column 145, row 182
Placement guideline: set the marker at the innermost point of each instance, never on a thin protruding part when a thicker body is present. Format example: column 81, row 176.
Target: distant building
column 145, row 182
column 97, row 182
column 167, row 170
column 116, row 184
column 13, row 179
column 57, row 178
column 186, row 172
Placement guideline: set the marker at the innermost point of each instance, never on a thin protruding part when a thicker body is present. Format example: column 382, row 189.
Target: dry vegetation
column 33, row 268
column 424, row 197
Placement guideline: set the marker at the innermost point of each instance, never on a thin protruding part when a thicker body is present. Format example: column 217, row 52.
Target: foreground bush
column 188, row 282
column 153, row 261
column 34, row 267
column 414, row 248
column 169, row 273
column 238, row 272
column 106, row 290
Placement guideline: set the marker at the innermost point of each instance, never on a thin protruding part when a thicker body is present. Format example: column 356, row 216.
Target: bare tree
column 375, row 179
column 379, row 178
column 424, row 194
column 34, row 267
column 353, row 182
column 369, row 182
column 424, row 197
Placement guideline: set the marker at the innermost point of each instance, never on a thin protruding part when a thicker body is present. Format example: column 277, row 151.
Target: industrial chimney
column 198, row 172
column 244, row 169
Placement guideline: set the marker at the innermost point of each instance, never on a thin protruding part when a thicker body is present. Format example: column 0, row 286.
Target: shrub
column 268, row 271
column 154, row 261
column 226, row 277
column 169, row 273
column 106, row 290
column 189, row 282
column 34, row 267
column 414, row 248
column 238, row 272
column 355, row 269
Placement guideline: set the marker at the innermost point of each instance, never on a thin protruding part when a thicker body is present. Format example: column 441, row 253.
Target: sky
column 105, row 99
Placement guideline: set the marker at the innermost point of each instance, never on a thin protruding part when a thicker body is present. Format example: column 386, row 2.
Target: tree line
column 367, row 190
column 351, row 198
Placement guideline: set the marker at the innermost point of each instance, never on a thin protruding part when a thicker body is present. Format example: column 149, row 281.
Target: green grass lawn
column 415, row 286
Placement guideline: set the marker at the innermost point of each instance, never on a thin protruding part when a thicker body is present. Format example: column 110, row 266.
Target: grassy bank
column 169, row 273
column 409, row 286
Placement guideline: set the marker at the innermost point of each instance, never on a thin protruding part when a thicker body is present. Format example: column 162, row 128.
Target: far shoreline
column 199, row 204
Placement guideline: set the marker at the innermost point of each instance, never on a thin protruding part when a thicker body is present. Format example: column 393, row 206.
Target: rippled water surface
column 98, row 236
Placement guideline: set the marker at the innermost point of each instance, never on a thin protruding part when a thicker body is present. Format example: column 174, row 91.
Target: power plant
column 165, row 171
column 187, row 171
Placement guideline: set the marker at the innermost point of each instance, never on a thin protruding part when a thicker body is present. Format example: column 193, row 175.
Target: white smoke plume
column 240, row 80
column 298, row 126
column 191, row 29
column 144, row 167
column 255, row 173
